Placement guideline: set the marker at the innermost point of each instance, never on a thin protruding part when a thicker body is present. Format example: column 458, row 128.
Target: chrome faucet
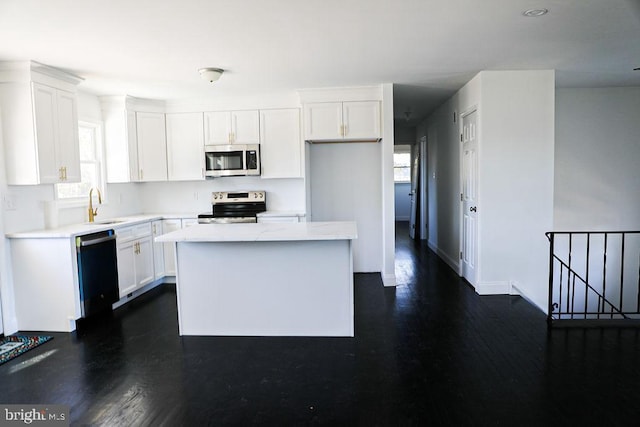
column 93, row 212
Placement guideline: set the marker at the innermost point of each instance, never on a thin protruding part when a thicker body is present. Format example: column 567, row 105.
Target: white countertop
column 276, row 214
column 346, row 230
column 73, row 230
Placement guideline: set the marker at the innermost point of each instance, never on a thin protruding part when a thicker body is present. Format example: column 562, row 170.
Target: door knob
column 472, row 209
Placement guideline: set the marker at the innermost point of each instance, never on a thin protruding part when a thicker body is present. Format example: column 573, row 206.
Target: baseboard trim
column 388, row 280
column 454, row 264
column 135, row 294
column 493, row 288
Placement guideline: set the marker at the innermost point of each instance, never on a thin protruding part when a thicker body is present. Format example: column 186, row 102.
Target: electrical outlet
column 9, row 202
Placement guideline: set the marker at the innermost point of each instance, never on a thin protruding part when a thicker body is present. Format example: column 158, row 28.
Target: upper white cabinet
column 231, row 127
column 121, row 145
column 342, row 121
column 281, row 147
column 185, row 146
column 40, row 124
column 152, row 146
column 135, row 139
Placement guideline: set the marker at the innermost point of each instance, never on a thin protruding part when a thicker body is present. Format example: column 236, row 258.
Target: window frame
column 402, row 149
column 81, row 201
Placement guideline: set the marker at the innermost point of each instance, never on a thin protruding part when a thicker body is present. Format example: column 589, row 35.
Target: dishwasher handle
column 95, row 238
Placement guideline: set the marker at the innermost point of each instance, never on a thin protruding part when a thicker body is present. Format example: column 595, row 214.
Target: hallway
column 429, row 352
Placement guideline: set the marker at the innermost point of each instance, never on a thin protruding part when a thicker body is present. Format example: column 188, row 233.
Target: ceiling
column 428, row 48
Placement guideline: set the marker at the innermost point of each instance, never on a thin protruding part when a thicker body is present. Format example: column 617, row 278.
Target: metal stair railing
column 594, row 290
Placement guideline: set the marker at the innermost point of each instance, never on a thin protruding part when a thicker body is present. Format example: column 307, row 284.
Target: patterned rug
column 14, row 346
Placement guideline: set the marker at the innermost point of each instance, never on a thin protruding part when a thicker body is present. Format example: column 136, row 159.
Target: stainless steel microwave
column 232, row 160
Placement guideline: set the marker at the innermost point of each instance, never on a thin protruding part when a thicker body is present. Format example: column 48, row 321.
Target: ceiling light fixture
column 210, row 74
column 534, row 13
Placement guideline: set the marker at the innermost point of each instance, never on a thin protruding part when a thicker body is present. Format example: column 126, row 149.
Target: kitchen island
column 265, row 279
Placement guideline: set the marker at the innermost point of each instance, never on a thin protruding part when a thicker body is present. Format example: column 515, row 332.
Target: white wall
column 443, row 171
column 194, row 197
column 597, row 169
column 345, row 186
column 515, row 208
column 516, row 157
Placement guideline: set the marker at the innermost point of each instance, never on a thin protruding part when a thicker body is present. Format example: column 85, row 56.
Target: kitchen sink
column 106, row 222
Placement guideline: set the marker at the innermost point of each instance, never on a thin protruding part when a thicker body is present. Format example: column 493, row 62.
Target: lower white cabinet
column 169, row 225
column 135, row 258
column 158, row 250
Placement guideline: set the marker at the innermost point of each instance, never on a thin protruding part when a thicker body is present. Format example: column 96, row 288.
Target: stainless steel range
column 233, row 207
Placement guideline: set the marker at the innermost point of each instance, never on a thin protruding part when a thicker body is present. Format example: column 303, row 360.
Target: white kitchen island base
column 276, row 283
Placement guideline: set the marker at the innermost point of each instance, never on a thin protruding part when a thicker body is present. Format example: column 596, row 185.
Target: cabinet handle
column 342, row 132
column 60, row 174
column 64, row 170
column 141, row 174
column 154, row 228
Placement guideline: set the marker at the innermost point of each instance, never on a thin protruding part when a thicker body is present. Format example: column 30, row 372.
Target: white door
column 414, row 192
column 469, row 249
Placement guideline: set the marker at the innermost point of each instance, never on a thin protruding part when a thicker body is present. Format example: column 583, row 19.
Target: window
column 402, row 166
column 90, row 165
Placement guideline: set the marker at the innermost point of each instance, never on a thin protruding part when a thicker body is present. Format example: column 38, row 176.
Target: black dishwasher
column 97, row 272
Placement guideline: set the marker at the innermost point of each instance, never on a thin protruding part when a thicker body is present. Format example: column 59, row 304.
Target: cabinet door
column 68, row 150
column 323, row 121
column 170, row 225
column 152, row 146
column 185, row 146
column 121, row 147
column 217, row 127
column 361, row 120
column 126, row 270
column 46, row 130
column 144, row 262
column 188, row 222
column 245, row 127
column 281, row 146
column 158, row 250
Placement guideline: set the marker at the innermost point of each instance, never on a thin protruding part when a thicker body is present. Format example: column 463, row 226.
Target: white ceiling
column 429, row 48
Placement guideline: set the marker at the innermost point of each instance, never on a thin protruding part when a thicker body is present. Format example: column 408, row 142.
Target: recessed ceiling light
column 534, row 13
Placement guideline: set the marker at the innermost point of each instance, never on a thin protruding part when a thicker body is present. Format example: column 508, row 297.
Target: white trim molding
column 454, row 264
column 389, row 279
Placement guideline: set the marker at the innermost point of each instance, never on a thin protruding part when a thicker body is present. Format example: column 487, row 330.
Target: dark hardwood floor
column 429, row 352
